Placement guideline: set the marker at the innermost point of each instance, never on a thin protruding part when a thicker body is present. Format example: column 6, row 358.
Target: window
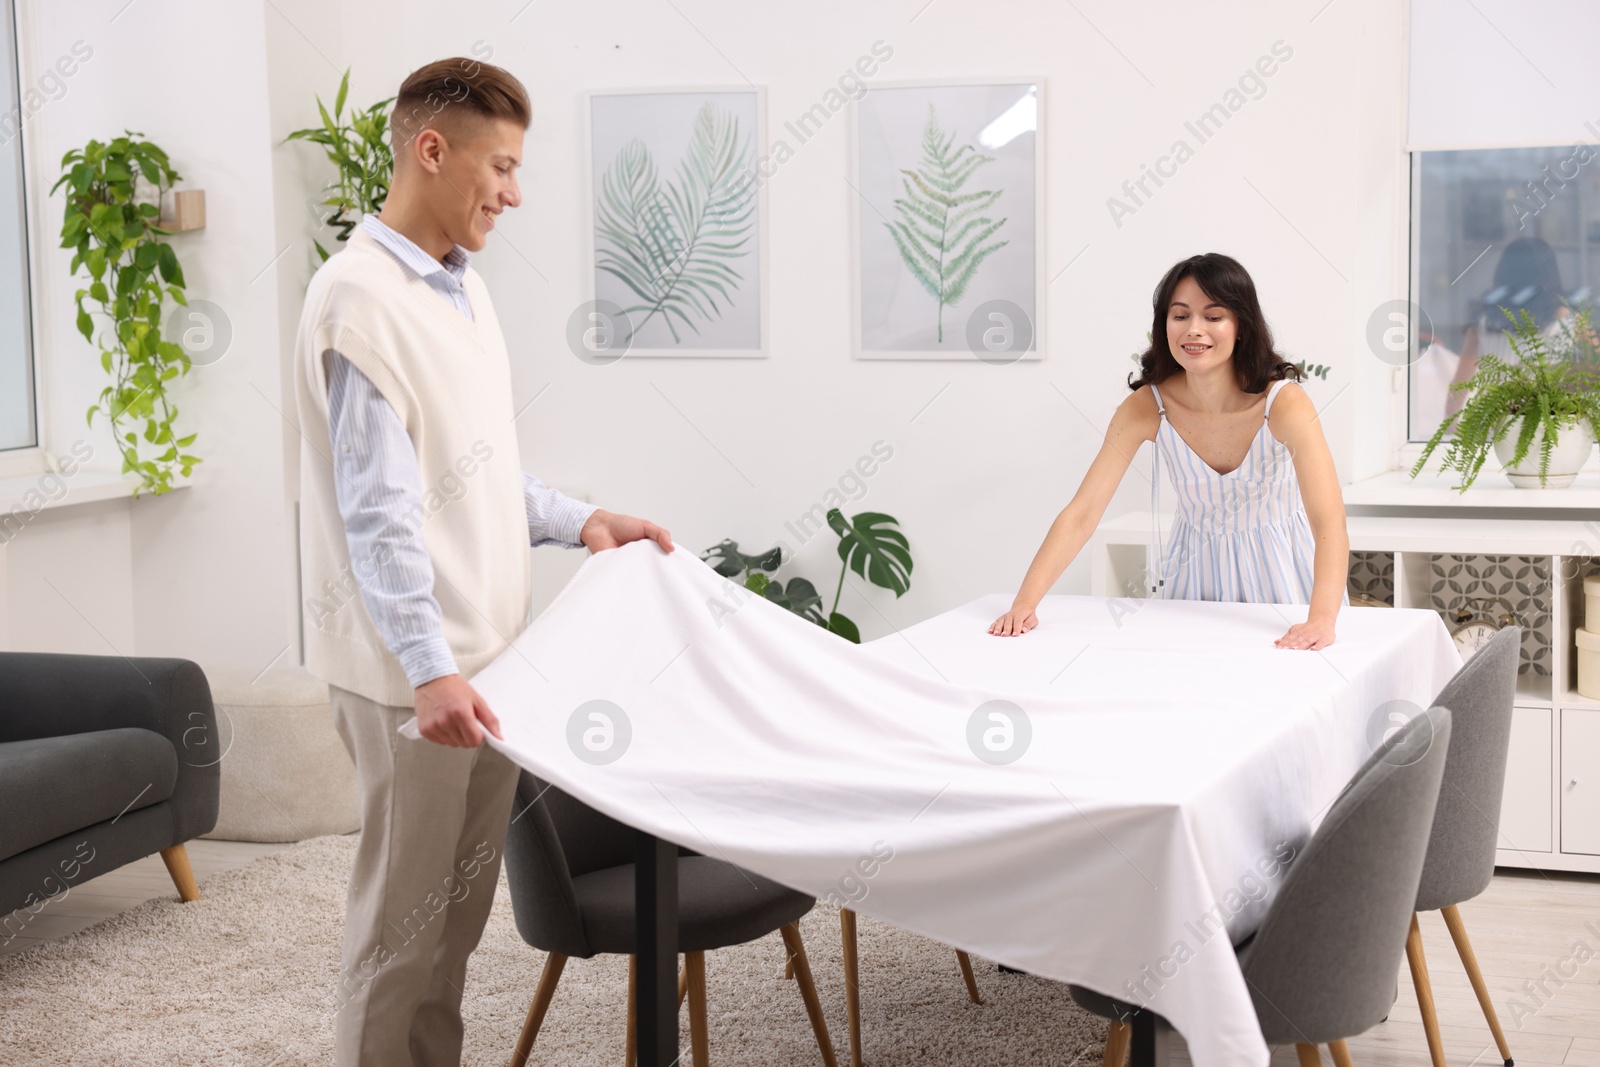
column 1512, row 228
column 18, row 423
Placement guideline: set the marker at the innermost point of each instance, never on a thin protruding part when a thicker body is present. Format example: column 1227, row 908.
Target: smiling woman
column 1260, row 518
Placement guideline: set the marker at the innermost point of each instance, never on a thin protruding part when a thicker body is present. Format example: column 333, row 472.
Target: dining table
column 1111, row 799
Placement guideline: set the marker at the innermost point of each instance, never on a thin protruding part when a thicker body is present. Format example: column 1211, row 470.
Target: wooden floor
column 1528, row 928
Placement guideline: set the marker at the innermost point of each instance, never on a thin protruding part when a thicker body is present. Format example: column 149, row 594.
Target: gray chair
column 1466, row 826
column 1321, row 966
column 103, row 761
column 571, row 874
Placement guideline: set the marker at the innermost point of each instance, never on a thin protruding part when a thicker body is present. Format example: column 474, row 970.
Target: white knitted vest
column 449, row 380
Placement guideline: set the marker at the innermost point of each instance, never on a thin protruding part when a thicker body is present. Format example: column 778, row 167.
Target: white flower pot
column 1574, row 441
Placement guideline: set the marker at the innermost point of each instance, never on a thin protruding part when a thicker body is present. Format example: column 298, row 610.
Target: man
column 401, row 367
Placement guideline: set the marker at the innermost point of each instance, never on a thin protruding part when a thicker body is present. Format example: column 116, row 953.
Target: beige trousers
column 433, row 823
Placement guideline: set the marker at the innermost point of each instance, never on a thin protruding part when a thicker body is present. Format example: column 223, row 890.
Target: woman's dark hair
column 1255, row 363
column 1526, row 278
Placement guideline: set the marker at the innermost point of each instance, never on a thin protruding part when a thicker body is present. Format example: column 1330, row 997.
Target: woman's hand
column 1014, row 623
column 1312, row 634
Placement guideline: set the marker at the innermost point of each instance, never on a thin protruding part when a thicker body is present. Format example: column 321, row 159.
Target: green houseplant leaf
column 871, row 545
column 943, row 234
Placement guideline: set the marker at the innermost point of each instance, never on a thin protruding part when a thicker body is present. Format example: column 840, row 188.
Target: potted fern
column 1539, row 414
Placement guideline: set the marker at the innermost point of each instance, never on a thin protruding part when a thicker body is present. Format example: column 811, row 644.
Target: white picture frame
column 734, row 323
column 888, row 320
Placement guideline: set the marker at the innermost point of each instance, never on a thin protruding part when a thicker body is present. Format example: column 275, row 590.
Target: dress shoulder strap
column 1272, row 394
column 1161, row 409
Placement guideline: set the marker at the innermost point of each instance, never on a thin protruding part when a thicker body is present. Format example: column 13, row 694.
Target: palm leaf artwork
column 675, row 246
column 942, row 233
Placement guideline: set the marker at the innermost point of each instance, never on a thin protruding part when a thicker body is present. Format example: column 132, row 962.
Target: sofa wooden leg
column 967, row 976
column 177, row 860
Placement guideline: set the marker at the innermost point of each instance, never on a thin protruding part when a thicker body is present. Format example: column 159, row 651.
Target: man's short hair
column 454, row 95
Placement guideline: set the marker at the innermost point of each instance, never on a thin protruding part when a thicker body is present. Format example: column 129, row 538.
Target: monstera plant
column 869, row 544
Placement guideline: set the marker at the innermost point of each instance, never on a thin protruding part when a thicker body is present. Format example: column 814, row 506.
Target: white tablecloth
column 1176, row 758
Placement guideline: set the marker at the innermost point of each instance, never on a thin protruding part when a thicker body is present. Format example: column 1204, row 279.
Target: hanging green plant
column 132, row 272
column 362, row 158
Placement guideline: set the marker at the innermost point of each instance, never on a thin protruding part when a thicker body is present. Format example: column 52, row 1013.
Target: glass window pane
column 17, row 425
column 1513, row 228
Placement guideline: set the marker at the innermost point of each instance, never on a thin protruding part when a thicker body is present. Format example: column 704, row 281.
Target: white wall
column 1305, row 185
column 202, row 572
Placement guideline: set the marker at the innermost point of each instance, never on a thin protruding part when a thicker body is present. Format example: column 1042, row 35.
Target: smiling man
column 401, row 368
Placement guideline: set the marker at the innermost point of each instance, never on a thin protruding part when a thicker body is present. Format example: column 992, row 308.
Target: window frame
column 25, row 459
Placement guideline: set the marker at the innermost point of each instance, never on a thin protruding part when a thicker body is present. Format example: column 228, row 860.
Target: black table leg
column 1151, row 1039
column 656, row 900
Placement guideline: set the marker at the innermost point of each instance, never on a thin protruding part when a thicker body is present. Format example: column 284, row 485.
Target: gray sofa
column 103, row 760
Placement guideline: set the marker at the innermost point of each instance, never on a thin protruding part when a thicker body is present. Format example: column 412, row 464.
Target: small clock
column 1476, row 622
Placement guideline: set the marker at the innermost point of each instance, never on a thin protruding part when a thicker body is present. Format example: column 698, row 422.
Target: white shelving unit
column 1550, row 816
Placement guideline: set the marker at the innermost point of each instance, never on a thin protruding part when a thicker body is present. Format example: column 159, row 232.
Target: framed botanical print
column 947, row 254
column 677, row 221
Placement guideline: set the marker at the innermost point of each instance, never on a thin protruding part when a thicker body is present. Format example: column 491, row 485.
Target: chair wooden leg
column 694, row 968
column 852, row 983
column 1341, row 1053
column 1309, row 1056
column 177, row 860
column 968, row 977
column 553, row 965
column 683, row 982
column 808, row 992
column 1118, row 1036
column 1469, row 959
column 1419, row 978
column 630, row 1051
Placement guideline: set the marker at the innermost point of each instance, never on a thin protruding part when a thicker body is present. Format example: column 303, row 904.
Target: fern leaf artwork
column 943, row 233
column 676, row 245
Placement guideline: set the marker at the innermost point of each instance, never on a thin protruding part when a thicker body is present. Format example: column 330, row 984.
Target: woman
column 1260, row 517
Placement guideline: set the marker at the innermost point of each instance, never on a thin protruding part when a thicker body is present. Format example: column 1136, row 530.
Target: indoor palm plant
column 1545, row 398
column 869, row 544
column 360, row 153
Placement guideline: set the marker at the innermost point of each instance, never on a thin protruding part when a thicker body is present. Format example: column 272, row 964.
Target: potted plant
column 116, row 237
column 1539, row 414
column 360, row 153
column 870, row 544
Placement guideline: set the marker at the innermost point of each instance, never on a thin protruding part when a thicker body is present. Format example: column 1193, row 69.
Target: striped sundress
column 1241, row 537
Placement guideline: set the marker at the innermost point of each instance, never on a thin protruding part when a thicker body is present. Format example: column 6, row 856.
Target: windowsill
column 84, row 487
column 1433, row 489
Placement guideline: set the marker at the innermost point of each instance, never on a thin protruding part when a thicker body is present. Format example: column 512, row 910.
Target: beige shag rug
column 245, row 976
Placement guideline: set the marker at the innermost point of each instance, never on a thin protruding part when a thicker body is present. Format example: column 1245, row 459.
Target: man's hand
column 604, row 530
column 449, row 711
